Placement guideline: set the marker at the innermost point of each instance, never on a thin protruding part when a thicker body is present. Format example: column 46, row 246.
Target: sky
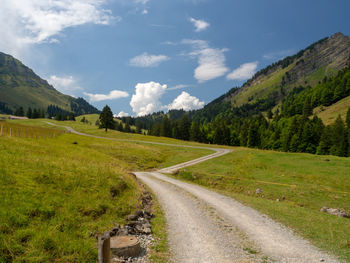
column 143, row 56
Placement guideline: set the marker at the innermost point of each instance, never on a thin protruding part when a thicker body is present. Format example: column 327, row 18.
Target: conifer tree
column 195, row 132
column 307, row 108
column 29, row 113
column 106, row 118
column 339, row 138
column 184, row 128
column 348, row 119
column 165, row 127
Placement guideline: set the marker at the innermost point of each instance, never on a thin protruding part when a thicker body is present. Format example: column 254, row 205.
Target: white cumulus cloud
column 145, row 60
column 146, row 99
column 244, row 71
column 122, row 114
column 186, row 102
column 211, row 61
column 36, row 21
column 67, row 85
column 114, row 94
column 199, row 25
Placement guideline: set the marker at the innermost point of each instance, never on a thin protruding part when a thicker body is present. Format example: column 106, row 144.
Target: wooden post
column 2, row 127
column 104, row 248
column 10, row 132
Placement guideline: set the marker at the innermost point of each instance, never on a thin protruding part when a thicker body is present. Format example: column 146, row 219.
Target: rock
column 258, row 191
column 75, row 142
column 335, row 211
column 135, row 215
column 277, row 200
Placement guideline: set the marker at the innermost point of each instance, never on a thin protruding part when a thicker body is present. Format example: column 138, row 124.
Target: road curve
column 205, row 226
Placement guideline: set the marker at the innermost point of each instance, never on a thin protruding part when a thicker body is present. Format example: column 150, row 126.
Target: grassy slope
column 53, row 193
column 19, row 86
column 303, row 184
column 263, row 88
column 329, row 114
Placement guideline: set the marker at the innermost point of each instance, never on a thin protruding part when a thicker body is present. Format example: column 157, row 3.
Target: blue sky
column 140, row 56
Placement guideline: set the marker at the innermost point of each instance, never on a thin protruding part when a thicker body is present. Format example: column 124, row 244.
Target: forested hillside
column 281, row 119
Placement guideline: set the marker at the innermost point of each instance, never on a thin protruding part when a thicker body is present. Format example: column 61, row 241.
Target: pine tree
column 29, row 113
column 339, row 138
column 325, row 141
column 138, row 126
column 106, row 118
column 184, row 128
column 195, row 132
column 253, row 135
column 120, row 127
column 307, row 108
column 348, row 118
column 19, row 111
column 165, row 127
column 127, row 127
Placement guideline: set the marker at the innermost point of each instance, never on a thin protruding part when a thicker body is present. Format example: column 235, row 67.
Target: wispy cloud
column 145, row 60
column 141, row 1
column 199, row 25
column 243, row 72
column 67, row 84
column 37, row 21
column 278, row 54
column 211, row 61
column 114, row 94
column 180, row 86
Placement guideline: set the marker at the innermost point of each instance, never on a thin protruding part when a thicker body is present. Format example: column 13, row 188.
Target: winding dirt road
column 204, row 226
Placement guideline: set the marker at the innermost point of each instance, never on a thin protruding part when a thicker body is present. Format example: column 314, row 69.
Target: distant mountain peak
column 21, row 87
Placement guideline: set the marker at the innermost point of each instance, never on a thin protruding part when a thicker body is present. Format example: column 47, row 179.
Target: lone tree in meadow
column 106, row 118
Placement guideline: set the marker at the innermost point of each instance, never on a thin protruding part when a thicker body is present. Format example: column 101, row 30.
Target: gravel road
column 204, row 226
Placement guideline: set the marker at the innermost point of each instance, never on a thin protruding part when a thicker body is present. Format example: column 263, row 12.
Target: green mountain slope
column 309, row 66
column 271, row 86
column 21, row 87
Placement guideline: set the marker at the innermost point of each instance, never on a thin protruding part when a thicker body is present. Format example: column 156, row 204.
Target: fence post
column 10, row 131
column 2, row 127
column 104, row 248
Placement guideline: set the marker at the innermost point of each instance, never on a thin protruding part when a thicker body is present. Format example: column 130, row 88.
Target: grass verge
column 57, row 193
column 294, row 188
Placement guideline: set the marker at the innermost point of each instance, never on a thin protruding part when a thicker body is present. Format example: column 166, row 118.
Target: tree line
column 291, row 130
column 52, row 111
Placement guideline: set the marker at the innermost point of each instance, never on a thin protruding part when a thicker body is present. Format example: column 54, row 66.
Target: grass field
column 56, row 193
column 294, row 188
column 24, row 131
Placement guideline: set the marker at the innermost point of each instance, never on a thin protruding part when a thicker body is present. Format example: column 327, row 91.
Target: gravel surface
column 205, row 226
column 194, row 237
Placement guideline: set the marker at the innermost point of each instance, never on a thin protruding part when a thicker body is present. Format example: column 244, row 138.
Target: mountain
column 21, row 87
column 269, row 87
column 298, row 104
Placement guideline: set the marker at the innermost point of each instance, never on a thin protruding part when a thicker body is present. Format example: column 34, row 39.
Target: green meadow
column 294, row 187
column 56, row 194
